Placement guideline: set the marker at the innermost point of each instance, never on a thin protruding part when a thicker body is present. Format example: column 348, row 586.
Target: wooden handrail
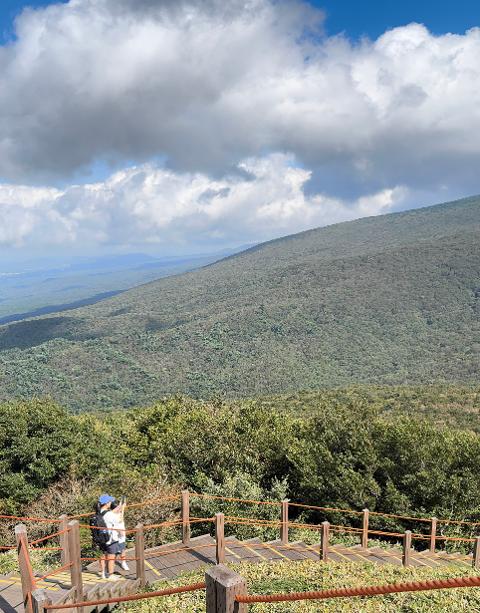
column 185, row 517
column 140, row 555
column 25, row 566
column 76, row 577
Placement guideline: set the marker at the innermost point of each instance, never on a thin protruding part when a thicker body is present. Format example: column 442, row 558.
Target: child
column 118, row 511
column 104, row 536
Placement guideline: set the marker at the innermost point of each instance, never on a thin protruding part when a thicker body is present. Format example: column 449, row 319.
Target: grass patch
column 42, row 561
column 308, row 575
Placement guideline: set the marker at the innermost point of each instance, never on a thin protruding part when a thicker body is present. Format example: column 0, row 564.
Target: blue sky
column 9, row 9
column 354, row 18
column 373, row 17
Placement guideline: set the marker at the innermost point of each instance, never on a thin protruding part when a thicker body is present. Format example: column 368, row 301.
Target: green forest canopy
column 393, row 299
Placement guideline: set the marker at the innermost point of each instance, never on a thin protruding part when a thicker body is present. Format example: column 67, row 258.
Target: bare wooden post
column 64, row 554
column 220, row 537
column 365, row 522
column 223, row 585
column 39, row 600
column 26, row 573
column 325, row 535
column 433, row 534
column 140, row 555
column 185, row 517
column 284, row 523
column 76, row 564
column 476, row 553
column 407, row 547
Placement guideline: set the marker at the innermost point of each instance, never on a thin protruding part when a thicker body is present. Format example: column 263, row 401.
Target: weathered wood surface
column 169, row 561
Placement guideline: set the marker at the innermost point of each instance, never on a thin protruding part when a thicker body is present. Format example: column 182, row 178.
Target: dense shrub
column 36, row 449
column 348, row 455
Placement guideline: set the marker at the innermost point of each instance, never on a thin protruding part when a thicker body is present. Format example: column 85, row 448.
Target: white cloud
column 219, row 88
column 153, row 205
column 208, row 83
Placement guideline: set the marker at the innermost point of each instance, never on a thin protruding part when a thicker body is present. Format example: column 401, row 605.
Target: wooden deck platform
column 171, row 560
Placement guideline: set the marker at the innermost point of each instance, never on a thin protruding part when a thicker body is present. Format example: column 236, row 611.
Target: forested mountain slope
column 392, row 299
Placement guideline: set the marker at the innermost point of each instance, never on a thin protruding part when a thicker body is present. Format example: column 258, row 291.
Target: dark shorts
column 111, row 549
column 121, row 547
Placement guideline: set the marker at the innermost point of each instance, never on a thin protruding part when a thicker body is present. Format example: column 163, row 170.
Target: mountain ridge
column 391, row 299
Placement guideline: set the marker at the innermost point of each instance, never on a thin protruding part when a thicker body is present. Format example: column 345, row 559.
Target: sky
column 374, row 17
column 181, row 126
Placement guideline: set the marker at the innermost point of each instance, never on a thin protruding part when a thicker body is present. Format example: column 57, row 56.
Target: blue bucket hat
column 105, row 499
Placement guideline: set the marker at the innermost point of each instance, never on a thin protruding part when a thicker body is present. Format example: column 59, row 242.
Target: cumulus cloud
column 157, row 206
column 208, row 83
column 218, row 89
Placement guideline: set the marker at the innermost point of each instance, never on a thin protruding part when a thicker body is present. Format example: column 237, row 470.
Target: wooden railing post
column 220, row 537
column 39, row 600
column 140, row 555
column 223, row 585
column 433, row 534
column 185, row 517
column 64, row 553
column 476, row 553
column 325, row 535
column 284, row 523
column 365, row 522
column 407, row 547
column 25, row 566
column 75, row 561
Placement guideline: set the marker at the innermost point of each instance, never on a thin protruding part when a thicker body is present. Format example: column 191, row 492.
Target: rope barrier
column 165, row 524
column 252, row 501
column 337, row 510
column 91, row 603
column 336, row 528
column 245, row 521
column 458, row 522
column 383, row 533
column 81, row 516
column 50, row 536
column 406, row 517
column 45, row 520
column 443, row 538
column 252, row 522
column 147, row 503
column 134, row 505
column 259, row 522
column 230, row 499
column 88, row 527
column 374, row 590
column 178, row 522
column 328, row 509
column 376, row 513
column 55, row 572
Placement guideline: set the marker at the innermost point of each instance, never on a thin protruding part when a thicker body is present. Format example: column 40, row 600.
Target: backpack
column 99, row 537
